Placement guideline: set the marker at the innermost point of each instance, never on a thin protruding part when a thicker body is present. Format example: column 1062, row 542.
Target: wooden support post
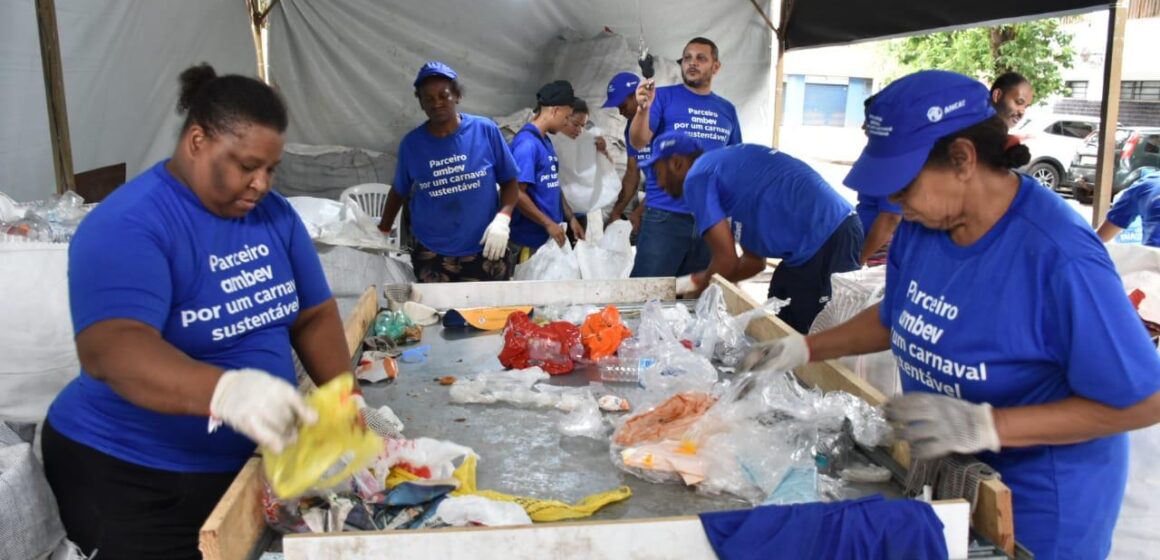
column 1109, row 111
column 993, row 517
column 54, row 93
column 779, row 92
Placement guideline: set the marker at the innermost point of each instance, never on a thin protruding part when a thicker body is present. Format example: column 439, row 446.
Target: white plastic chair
column 372, row 198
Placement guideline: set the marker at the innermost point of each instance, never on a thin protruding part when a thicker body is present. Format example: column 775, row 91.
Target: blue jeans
column 669, row 245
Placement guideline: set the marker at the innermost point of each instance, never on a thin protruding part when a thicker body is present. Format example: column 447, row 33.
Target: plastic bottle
column 616, row 369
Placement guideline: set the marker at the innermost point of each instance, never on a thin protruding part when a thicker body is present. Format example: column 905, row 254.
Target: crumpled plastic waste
column 672, row 367
column 398, row 327
column 539, row 510
column 521, row 388
column 613, row 403
column 602, row 333
column 328, row 451
column 374, row 366
column 51, row 220
column 555, row 347
column 471, row 511
column 716, row 334
column 769, row 441
column 668, row 420
column 575, row 314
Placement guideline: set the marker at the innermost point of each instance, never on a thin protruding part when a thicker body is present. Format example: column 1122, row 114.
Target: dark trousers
column 126, row 510
column 807, row 286
column 669, row 245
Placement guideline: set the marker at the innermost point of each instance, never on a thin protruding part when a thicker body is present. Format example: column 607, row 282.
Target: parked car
column 1137, row 152
column 1053, row 140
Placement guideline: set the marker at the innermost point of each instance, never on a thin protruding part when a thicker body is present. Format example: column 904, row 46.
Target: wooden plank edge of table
column 993, row 517
column 236, row 523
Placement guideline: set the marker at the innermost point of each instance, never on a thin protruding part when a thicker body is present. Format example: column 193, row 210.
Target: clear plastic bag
column 716, row 334
column 519, row 388
column 551, row 262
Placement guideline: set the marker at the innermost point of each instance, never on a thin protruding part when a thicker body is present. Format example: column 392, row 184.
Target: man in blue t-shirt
column 879, row 218
column 542, row 211
column 1141, row 200
column 621, row 90
column 449, row 169
column 669, row 243
column 774, row 206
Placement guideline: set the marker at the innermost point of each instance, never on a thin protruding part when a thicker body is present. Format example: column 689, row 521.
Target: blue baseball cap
column 904, row 122
column 435, row 68
column 672, row 144
column 620, row 87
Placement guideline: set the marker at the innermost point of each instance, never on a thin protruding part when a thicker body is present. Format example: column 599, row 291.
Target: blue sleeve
column 703, row 198
column 1105, row 349
column 309, row 279
column 524, row 154
column 119, row 269
column 893, row 266
column 656, row 113
column 403, row 177
column 735, row 136
column 884, row 205
column 505, row 163
column 1125, row 209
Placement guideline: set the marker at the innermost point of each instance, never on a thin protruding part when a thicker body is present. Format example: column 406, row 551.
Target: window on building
column 1140, row 90
column 1077, row 89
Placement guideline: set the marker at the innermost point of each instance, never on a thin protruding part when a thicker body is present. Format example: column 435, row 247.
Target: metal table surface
column 520, row 451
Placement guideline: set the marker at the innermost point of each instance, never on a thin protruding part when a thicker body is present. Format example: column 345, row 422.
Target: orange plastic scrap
column 669, row 420
column 602, row 333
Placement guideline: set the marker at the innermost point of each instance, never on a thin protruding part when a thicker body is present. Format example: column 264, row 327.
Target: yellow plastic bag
column 328, row 451
column 540, row 511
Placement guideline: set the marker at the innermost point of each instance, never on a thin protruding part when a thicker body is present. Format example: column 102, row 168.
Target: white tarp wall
column 120, row 60
column 346, row 68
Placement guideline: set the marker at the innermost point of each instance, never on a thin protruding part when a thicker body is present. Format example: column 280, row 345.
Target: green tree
column 1037, row 50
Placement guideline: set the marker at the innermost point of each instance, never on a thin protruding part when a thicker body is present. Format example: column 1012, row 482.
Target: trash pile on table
column 54, row 220
column 767, row 440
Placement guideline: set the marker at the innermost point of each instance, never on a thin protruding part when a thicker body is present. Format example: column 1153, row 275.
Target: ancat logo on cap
column 934, row 114
column 611, row 88
column 667, row 144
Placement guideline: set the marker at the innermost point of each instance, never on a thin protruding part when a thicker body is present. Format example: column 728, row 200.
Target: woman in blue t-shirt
column 188, row 286
column 1009, row 324
column 448, row 170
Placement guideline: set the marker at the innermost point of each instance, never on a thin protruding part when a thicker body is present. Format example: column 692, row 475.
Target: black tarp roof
column 815, row 23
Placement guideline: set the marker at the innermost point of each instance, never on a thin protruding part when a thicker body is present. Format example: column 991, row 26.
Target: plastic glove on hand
column 786, row 353
column 495, row 237
column 262, row 407
column 937, row 425
column 385, row 426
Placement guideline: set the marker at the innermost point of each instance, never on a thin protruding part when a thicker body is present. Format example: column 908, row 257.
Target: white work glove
column 686, row 285
column 938, row 425
column 386, row 426
column 495, row 237
column 786, row 353
column 262, row 407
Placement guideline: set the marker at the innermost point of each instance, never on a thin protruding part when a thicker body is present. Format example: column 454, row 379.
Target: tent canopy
column 816, row 24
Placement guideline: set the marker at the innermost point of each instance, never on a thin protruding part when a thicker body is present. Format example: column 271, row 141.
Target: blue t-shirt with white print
column 779, row 206
column 539, row 169
column 709, row 118
column 1031, row 313
column 451, row 183
column 1141, row 200
column 223, row 291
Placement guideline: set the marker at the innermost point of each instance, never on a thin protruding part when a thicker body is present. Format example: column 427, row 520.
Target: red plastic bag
column 525, row 343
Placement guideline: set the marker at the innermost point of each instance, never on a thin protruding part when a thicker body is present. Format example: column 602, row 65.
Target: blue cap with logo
column 620, row 87
column 435, row 68
column 671, row 144
column 904, row 122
